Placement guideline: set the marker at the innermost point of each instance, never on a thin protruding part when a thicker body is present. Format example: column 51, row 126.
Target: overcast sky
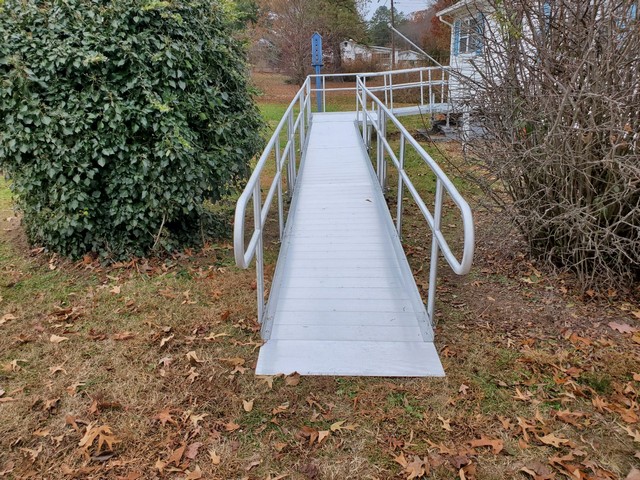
column 404, row 6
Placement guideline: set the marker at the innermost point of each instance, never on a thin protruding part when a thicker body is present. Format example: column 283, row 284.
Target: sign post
column 317, row 63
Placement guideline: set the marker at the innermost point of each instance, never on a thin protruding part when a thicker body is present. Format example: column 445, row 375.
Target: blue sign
column 316, row 50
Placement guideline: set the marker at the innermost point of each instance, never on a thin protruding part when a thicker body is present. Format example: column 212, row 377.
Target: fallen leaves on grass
column 7, row 318
column 124, row 336
column 622, row 327
column 247, row 405
column 192, row 450
column 215, row 458
column 292, row 380
column 164, row 417
column 338, row 426
column 192, row 357
column 496, row 444
column 416, row 468
column 100, row 434
column 57, row 339
column 553, row 440
column 446, row 423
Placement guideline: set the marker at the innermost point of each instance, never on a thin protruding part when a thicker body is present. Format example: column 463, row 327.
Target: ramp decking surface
column 343, row 299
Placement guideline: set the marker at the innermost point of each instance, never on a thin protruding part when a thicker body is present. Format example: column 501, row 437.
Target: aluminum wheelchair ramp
column 343, row 299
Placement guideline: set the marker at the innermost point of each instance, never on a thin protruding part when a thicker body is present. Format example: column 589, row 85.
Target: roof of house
column 463, row 5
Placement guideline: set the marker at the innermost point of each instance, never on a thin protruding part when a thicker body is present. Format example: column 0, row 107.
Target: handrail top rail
column 378, row 74
column 243, row 199
column 460, row 267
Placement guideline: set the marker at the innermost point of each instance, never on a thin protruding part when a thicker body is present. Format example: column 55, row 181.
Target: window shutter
column 546, row 9
column 456, row 37
column 480, row 36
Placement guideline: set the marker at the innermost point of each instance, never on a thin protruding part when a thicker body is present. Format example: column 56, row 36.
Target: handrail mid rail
column 378, row 122
column 296, row 126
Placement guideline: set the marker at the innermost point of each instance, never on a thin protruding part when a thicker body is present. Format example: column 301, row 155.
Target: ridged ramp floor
column 343, row 299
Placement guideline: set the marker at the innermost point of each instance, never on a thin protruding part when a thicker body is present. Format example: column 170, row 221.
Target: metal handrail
column 253, row 191
column 426, row 81
column 297, row 126
column 439, row 243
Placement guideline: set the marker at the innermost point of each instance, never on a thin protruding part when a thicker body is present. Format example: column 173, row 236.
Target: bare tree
column 559, row 103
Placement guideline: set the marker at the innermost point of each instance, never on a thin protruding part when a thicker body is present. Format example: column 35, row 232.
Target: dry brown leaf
column 268, row 379
column 32, row 453
column 463, row 389
column 496, row 444
column 400, row 459
column 195, row 419
column 193, row 357
column 634, row 474
column 523, row 397
column 570, row 417
column 164, row 416
column 164, row 341
column 231, row 427
column 252, row 464
column 247, row 405
column 56, row 369
column 323, row 435
column 123, row 336
column 192, row 374
column 72, row 390
column 42, row 433
column 215, row 458
column 159, row 465
column 635, row 434
column 131, row 476
column 292, row 380
column 311, row 433
column 176, row 456
column 102, row 434
column 280, row 409
column 446, row 423
column 57, row 339
column 196, row 474
column 7, row 318
column 553, row 440
column 192, row 450
column 212, row 337
column 622, row 327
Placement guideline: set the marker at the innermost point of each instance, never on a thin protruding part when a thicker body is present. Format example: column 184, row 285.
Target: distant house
column 352, row 51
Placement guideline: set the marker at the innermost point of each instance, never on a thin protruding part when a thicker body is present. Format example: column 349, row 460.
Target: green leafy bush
column 120, row 118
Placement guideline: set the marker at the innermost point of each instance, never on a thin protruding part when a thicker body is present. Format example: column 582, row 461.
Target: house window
column 468, row 35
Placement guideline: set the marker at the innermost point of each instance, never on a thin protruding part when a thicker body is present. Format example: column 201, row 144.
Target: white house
column 353, row 51
column 468, row 20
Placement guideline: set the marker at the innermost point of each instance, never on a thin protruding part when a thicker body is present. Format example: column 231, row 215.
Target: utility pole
column 393, row 39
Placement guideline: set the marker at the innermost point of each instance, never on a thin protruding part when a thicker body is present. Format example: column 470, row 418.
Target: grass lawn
column 145, row 370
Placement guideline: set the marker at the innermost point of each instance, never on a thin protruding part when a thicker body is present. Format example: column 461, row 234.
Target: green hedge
column 119, row 117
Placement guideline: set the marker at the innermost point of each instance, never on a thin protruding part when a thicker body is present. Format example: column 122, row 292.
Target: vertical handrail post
column 400, row 188
column 379, row 144
column 435, row 251
column 280, row 199
column 421, row 88
column 302, row 122
column 308, row 102
column 391, row 91
column 257, row 223
column 430, row 88
column 324, row 93
column 292, row 148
